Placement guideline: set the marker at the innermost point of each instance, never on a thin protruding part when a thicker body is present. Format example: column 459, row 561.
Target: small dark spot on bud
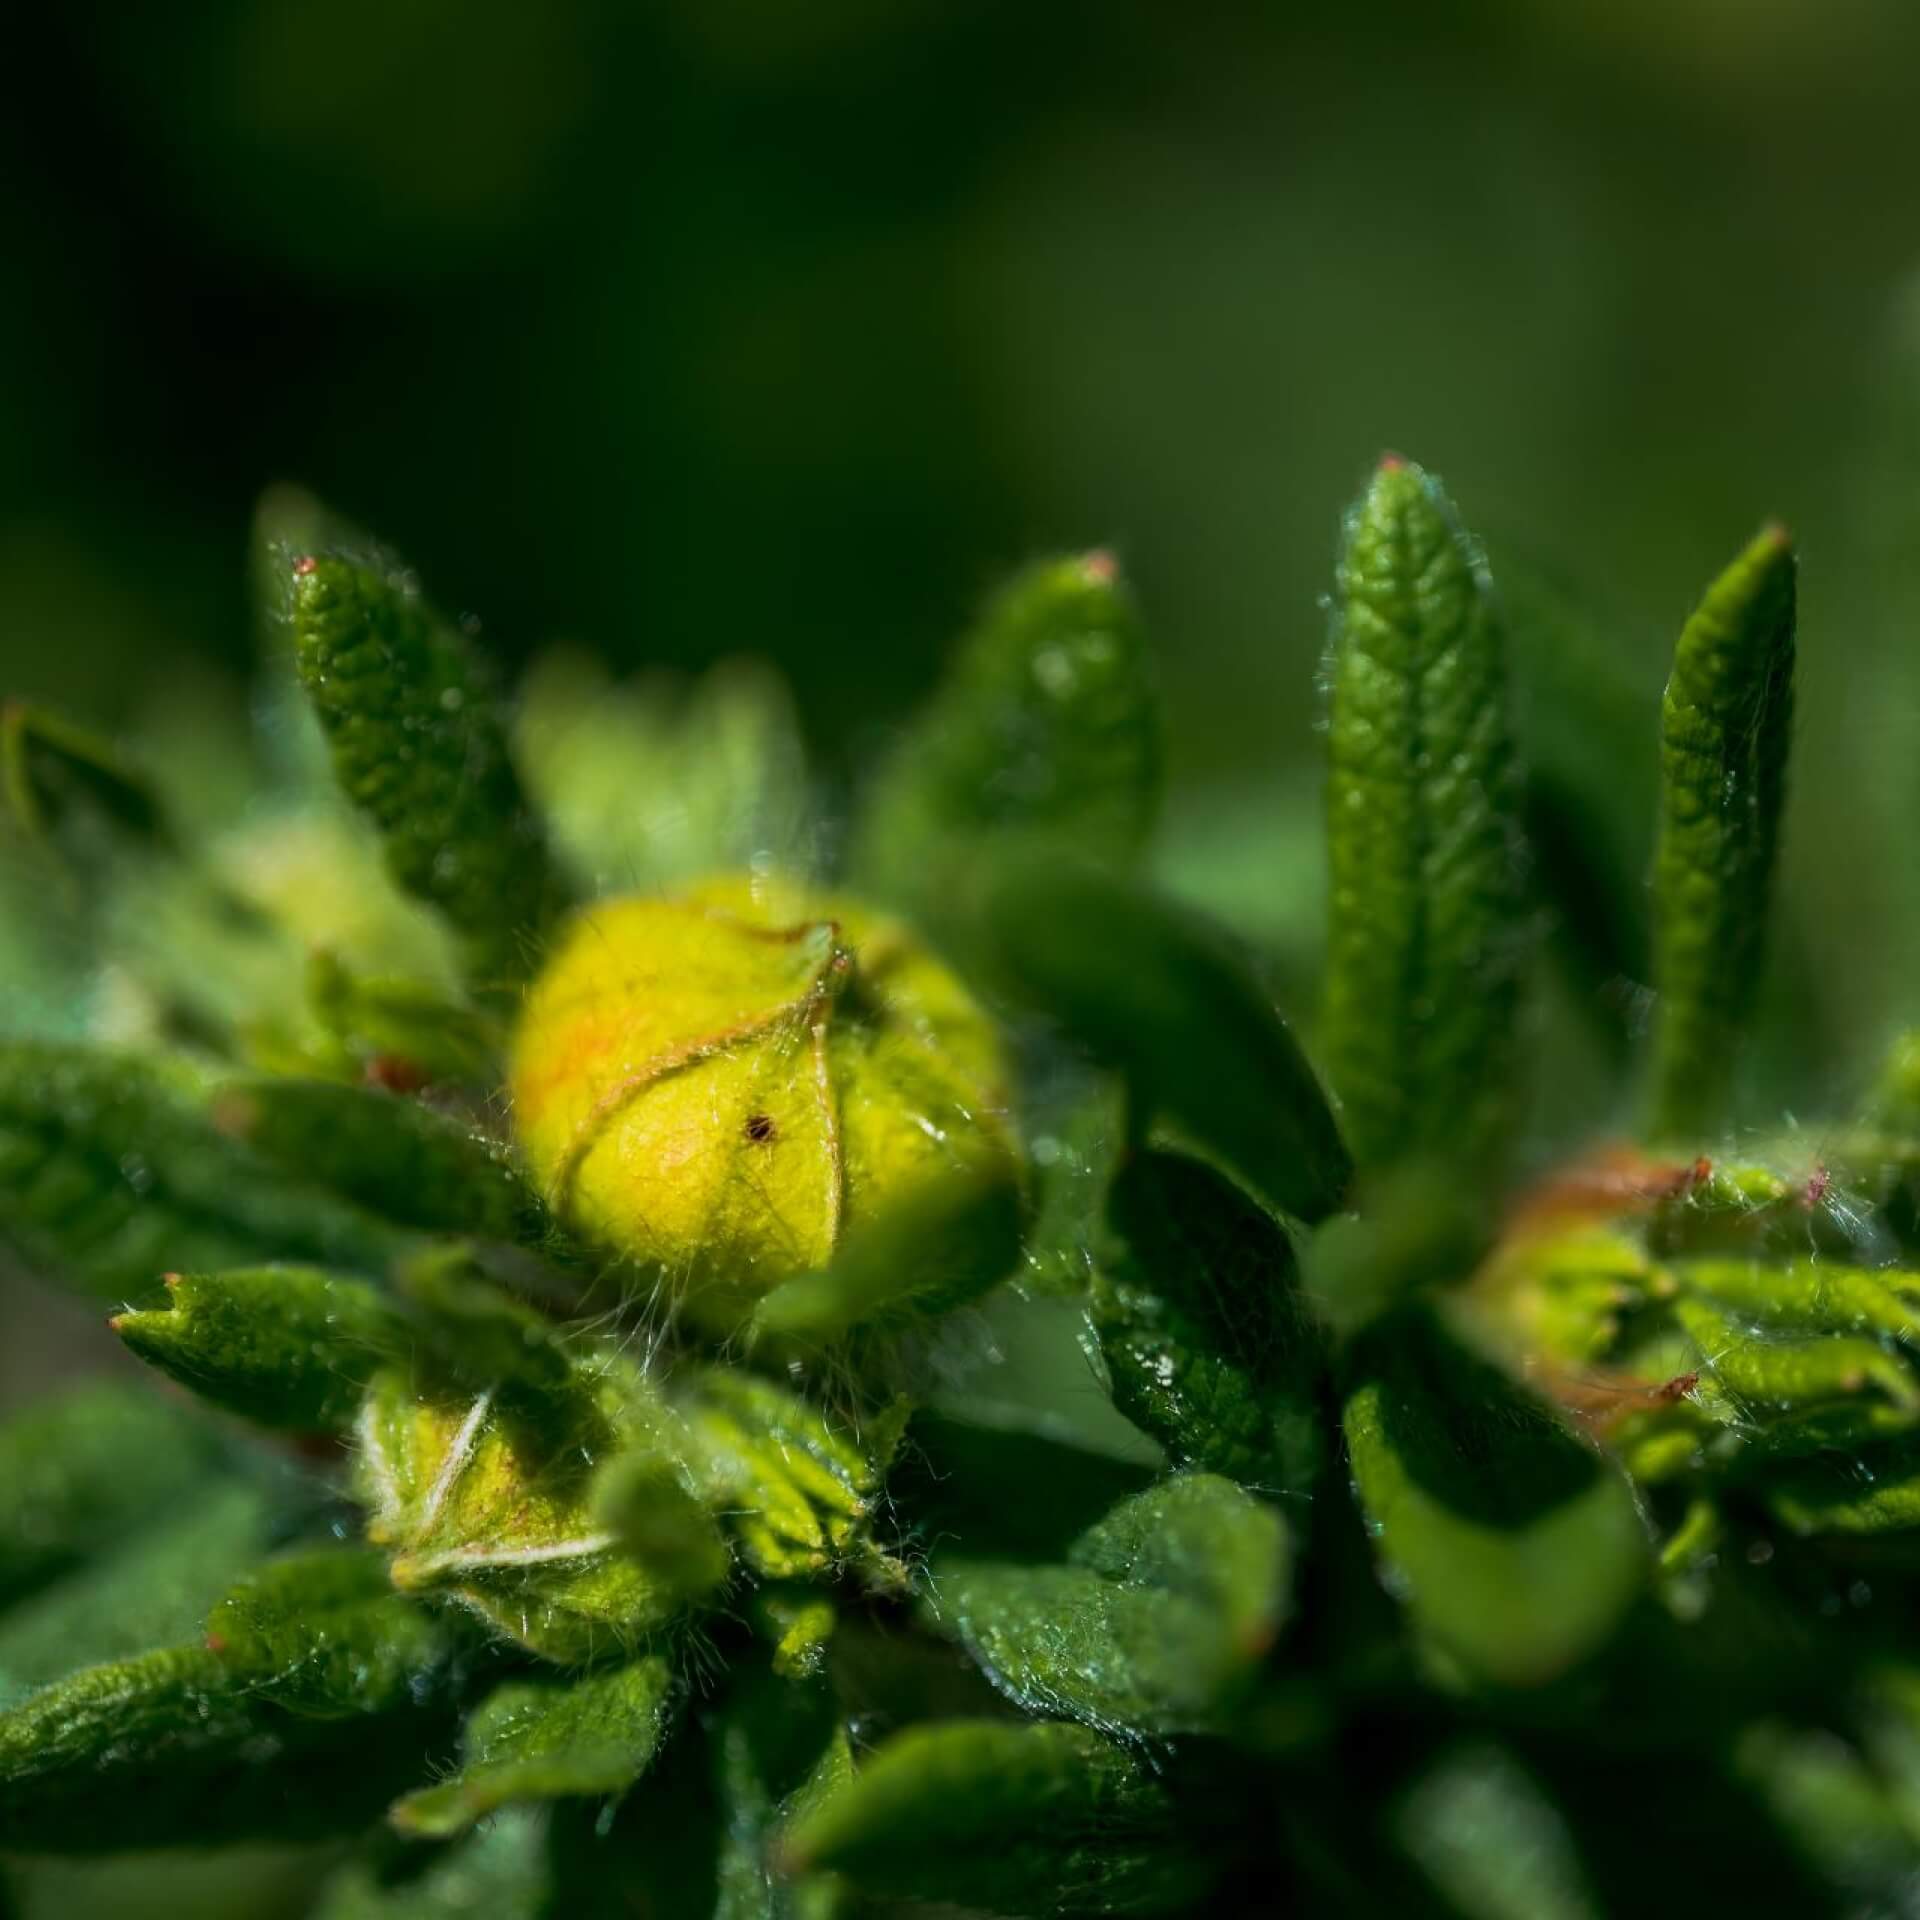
column 760, row 1128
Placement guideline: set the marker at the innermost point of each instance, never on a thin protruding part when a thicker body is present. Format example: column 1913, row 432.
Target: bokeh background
column 719, row 326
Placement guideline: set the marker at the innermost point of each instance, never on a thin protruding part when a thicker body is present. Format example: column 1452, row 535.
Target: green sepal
column 172, row 1749
column 1724, row 734
column 1011, row 1818
column 113, row 1169
column 152, row 1587
column 502, row 1872
column 392, row 1155
column 1516, row 1548
column 798, row 1622
column 796, row 1488
column 938, row 1250
column 80, row 1471
column 1159, row 993
column 419, row 748
column 1046, row 726
column 588, row 1737
column 1155, row 1625
column 1208, row 1342
column 1428, row 928
column 324, row 1635
column 290, row 1347
column 487, row 1499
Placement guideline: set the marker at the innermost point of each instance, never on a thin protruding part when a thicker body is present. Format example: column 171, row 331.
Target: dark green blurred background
column 783, row 325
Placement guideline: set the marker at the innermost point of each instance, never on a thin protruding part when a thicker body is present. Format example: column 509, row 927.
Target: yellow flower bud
column 720, row 1083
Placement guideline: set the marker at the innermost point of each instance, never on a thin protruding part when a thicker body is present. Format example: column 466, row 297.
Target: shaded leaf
column 1076, row 1135
column 1015, row 1819
column 1724, row 735
column 644, row 1500
column 1207, row 1340
column 1154, row 1625
column 588, row 1737
column 1047, row 725
column 68, row 787
column 1516, row 1548
column 420, row 749
column 1157, row 992
column 501, row 1873
column 112, row 1170
column 1428, row 929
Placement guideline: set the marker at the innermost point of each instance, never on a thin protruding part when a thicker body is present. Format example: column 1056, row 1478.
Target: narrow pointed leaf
column 1208, row 1342
column 1034, row 1819
column 112, row 1171
column 290, row 1347
column 1046, row 726
column 81, row 1471
column 1516, row 1548
column 1724, row 735
column 171, row 1749
column 1153, row 1626
column 589, row 1737
column 420, row 749
column 393, row 1155
column 324, row 1635
column 1428, row 932
column 1160, row 995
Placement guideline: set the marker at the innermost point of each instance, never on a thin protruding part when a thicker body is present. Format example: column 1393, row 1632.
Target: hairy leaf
column 1428, row 929
column 1516, row 1548
column 1153, row 1626
column 289, row 1347
column 419, row 748
column 588, row 1737
column 1046, row 726
column 1159, row 994
column 1034, row 1819
column 393, row 1155
column 1208, row 1343
column 1724, row 735
column 112, row 1169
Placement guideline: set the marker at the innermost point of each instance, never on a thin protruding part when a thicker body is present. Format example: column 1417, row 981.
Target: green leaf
column 290, row 1347
column 501, row 1873
column 171, row 1749
column 324, row 1635
column 589, row 1737
column 1160, row 995
column 1428, row 929
column 392, row 1155
column 934, row 1252
column 487, row 1499
column 1207, row 1340
column 644, row 1500
column 651, row 784
column 152, row 1588
column 1047, row 725
column 1155, row 1625
column 80, row 1471
column 1046, row 1819
column 113, row 1170
column 1724, row 735
column 474, row 1330
column 1865, row 1490
column 796, row 1488
column 1076, row 1135
column 419, row 747
column 1516, row 1548
column 384, row 1026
